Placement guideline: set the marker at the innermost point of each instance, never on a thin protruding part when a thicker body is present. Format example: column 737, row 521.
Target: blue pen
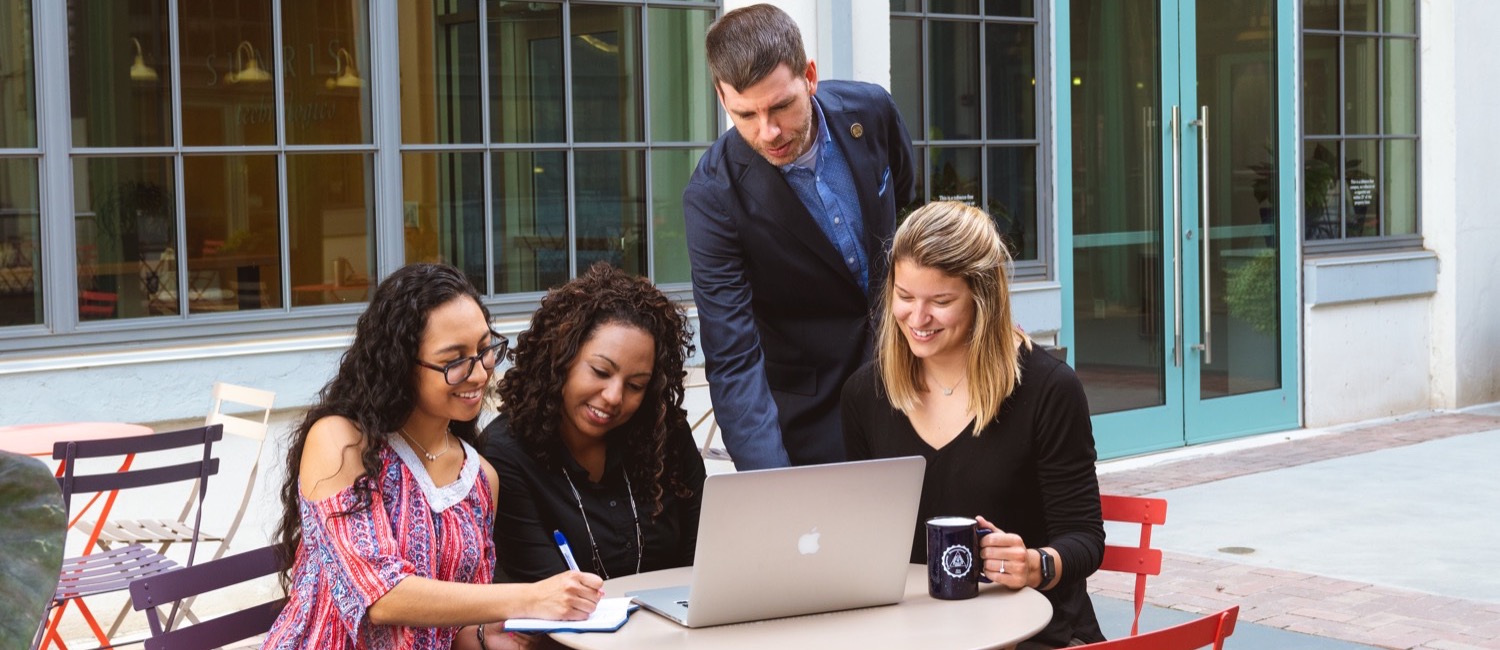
column 567, row 551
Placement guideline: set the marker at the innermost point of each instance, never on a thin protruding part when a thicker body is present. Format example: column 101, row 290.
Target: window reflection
column 440, row 98
column 526, row 72
column 606, row 74
column 120, row 72
column 233, row 237
column 443, row 213
column 330, row 219
column 682, row 104
column 1011, row 201
column 955, row 175
column 953, row 97
column 1011, row 81
column 126, row 231
column 17, row 78
column 906, row 73
column 531, row 220
column 611, row 206
column 20, row 240
column 326, row 55
column 224, row 43
column 670, row 170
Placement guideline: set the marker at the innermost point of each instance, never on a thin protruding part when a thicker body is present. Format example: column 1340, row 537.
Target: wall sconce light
column 249, row 71
column 345, row 76
column 139, row 71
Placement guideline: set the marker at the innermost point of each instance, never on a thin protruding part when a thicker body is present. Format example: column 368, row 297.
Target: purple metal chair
column 112, row 570
column 154, row 592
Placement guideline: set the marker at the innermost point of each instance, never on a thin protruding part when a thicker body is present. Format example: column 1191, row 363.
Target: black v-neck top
column 535, row 501
column 1030, row 471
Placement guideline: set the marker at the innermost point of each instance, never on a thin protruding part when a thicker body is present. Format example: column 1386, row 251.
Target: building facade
column 1239, row 217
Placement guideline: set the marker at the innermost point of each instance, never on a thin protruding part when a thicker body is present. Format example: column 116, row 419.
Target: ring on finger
column 1002, row 566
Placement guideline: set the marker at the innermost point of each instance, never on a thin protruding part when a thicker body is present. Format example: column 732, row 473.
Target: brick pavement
column 1351, row 611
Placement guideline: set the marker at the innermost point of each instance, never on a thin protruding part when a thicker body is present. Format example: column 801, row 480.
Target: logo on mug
column 957, row 561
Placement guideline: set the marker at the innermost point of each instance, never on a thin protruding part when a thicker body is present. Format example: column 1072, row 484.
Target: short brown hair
column 745, row 45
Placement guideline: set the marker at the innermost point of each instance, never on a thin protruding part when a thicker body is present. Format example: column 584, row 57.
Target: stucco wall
column 1365, row 360
column 1475, row 247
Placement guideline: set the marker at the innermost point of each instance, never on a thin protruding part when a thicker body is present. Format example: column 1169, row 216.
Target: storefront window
column 440, row 73
column 443, row 216
column 126, row 233
column 20, row 205
column 233, row 236
column 326, row 53
column 120, row 70
column 330, row 220
column 228, row 73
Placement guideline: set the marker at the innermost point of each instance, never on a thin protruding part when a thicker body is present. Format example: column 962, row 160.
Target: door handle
column 1206, row 343
column 1176, row 236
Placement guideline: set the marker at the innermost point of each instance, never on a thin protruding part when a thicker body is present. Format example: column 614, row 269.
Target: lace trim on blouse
column 438, row 498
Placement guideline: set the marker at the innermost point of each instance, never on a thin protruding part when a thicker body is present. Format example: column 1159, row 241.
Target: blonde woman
column 1003, row 425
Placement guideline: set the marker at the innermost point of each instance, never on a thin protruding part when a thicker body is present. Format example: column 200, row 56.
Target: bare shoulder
column 331, row 458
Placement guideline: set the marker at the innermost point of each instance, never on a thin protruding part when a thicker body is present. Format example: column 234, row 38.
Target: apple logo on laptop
column 807, row 544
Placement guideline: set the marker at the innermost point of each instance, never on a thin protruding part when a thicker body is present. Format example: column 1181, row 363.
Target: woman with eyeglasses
column 387, row 507
column 592, row 439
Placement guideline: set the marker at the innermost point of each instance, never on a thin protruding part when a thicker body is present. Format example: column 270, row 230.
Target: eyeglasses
column 456, row 371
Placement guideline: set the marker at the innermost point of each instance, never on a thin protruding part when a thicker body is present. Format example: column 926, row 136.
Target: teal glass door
column 1182, row 250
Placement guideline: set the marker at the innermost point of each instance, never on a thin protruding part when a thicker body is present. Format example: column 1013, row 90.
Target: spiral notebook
column 607, row 617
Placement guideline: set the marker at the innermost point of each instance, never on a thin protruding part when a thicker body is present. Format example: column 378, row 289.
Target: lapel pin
column 857, row 130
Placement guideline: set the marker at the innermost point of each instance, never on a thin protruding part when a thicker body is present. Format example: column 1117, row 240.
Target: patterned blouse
column 345, row 564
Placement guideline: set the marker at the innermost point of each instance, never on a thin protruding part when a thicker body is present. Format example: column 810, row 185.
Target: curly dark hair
column 374, row 386
column 531, row 390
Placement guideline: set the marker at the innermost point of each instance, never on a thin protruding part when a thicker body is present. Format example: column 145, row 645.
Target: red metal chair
column 1142, row 560
column 112, row 570
column 1210, row 630
column 154, row 592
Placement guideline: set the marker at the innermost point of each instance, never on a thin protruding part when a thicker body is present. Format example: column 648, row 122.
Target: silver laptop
column 798, row 540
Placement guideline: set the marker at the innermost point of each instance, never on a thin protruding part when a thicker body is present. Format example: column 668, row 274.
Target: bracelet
column 479, row 633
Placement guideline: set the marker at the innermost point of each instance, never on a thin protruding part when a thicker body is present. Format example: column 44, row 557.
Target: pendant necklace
column 948, row 390
column 431, row 457
column 599, row 560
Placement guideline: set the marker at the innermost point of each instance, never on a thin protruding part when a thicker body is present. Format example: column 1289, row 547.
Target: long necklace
column 599, row 560
column 431, row 457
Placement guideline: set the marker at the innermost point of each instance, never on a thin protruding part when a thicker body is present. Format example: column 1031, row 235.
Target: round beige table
column 998, row 618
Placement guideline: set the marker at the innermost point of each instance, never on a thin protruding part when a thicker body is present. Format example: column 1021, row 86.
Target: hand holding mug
column 1005, row 558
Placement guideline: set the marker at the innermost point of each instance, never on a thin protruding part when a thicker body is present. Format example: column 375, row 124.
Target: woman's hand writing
column 567, row 596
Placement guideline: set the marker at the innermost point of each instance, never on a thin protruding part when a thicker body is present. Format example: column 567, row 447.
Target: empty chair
column 152, row 593
column 1210, row 630
column 165, row 532
column 111, row 570
column 697, row 378
column 1142, row 560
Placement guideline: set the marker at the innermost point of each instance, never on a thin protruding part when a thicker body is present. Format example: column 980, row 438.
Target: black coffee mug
column 954, row 569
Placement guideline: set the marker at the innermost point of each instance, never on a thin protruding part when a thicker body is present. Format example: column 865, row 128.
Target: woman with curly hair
column 592, row 439
column 387, row 507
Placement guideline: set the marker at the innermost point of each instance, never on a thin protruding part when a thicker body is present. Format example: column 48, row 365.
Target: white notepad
column 607, row 617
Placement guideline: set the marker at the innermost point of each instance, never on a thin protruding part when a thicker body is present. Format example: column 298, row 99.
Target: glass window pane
column 906, row 5
column 1012, row 198
column 1320, row 84
column 1322, row 202
column 682, row 98
column 330, row 217
column 906, row 73
column 1360, row 15
column 670, row 169
column 1361, row 192
column 611, row 206
column 1320, row 14
column 1361, row 101
column 120, row 74
column 953, row 95
column 953, row 6
column 531, row 220
column 126, row 229
column 440, row 97
column 326, row 55
column 20, row 243
column 1400, row 187
column 443, row 212
column 233, row 236
column 1019, row 8
column 228, row 97
column 606, row 74
column 1011, row 90
column 955, row 174
column 526, row 72
column 1400, row 17
column 919, row 186
column 17, row 78
column 1400, row 86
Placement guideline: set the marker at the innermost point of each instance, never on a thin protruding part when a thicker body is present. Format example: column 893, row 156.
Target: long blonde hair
column 960, row 241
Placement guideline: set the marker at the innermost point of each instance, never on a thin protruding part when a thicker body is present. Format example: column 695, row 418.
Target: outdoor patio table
column 39, row 439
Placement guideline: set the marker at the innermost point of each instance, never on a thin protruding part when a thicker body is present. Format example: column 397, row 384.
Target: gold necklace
column 431, row 457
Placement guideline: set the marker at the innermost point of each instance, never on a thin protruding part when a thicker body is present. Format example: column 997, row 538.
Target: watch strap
column 1048, row 569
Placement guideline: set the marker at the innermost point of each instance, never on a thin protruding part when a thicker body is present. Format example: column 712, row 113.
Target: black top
column 535, row 501
column 1030, row 471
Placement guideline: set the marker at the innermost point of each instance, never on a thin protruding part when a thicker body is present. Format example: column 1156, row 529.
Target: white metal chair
column 251, row 423
column 698, row 378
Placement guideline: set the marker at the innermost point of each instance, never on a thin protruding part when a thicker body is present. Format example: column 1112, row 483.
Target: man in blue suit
column 788, row 218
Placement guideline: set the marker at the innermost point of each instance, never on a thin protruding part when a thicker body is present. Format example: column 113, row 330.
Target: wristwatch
column 1048, row 570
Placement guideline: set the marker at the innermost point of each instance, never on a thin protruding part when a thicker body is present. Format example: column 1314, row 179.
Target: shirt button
column 612, row 504
column 835, row 220
column 851, row 260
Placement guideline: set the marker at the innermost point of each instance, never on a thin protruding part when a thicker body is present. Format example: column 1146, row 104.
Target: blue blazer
column 782, row 321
